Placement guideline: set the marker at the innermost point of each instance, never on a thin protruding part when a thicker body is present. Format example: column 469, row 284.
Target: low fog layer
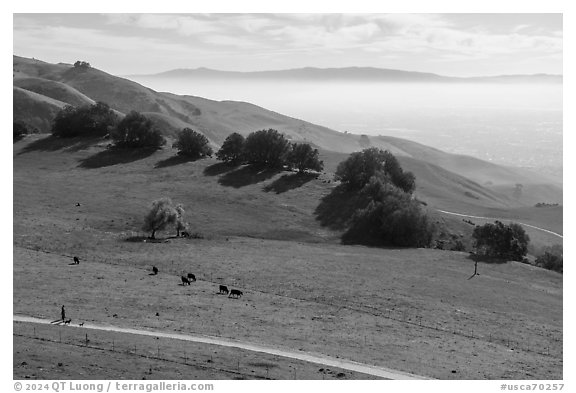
column 512, row 124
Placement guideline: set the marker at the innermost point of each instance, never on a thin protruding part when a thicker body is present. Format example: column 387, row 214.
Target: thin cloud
column 295, row 40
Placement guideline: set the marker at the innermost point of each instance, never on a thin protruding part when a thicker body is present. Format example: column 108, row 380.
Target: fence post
column 86, row 339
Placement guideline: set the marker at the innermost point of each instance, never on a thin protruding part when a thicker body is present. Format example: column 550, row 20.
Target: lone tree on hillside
column 89, row 120
column 267, row 147
column 302, row 157
column 508, row 242
column 135, row 131
column 193, row 144
column 162, row 213
column 232, row 149
column 356, row 171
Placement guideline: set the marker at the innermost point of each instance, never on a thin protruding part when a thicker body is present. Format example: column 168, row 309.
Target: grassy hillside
column 56, row 90
column 218, row 119
column 411, row 310
column 34, row 109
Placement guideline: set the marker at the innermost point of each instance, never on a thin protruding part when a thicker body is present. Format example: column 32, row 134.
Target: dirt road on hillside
column 501, row 219
column 316, row 358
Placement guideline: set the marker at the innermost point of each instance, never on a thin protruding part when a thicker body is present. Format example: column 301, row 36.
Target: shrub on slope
column 193, row 144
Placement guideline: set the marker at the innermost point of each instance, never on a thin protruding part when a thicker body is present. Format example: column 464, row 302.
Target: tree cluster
column 90, row 120
column 81, row 64
column 134, row 131
column 501, row 241
column 269, row 148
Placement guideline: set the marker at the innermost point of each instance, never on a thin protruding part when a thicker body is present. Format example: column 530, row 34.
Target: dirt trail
column 501, row 219
column 316, row 358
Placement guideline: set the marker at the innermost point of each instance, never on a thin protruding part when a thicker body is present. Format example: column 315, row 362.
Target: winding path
column 317, row 358
column 501, row 219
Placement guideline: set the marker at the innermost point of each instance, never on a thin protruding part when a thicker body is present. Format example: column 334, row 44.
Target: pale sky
column 447, row 44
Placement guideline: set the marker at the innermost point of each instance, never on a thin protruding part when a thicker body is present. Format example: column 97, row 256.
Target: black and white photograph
column 312, row 196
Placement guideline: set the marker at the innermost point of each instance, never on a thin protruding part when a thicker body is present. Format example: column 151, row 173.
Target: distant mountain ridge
column 347, row 74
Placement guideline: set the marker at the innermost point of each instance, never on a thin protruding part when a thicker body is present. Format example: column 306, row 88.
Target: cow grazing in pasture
column 76, row 260
column 185, row 281
column 191, row 277
column 223, row 289
column 154, row 269
column 235, row 293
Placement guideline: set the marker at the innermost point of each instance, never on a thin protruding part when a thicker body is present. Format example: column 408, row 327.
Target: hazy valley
column 509, row 122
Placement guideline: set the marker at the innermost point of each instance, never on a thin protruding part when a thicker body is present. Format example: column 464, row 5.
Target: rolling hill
column 413, row 310
column 260, row 231
column 33, row 109
column 42, row 87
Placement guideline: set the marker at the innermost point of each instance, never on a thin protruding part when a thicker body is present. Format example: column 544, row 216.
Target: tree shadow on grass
column 115, row 156
column 337, row 208
column 220, row 168
column 250, row 174
column 136, row 239
column 175, row 160
column 52, row 143
column 290, row 182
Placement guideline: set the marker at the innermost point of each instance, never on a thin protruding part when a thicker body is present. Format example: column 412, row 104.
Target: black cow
column 191, row 277
column 223, row 289
column 76, row 260
column 155, row 269
column 235, row 292
column 185, row 281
